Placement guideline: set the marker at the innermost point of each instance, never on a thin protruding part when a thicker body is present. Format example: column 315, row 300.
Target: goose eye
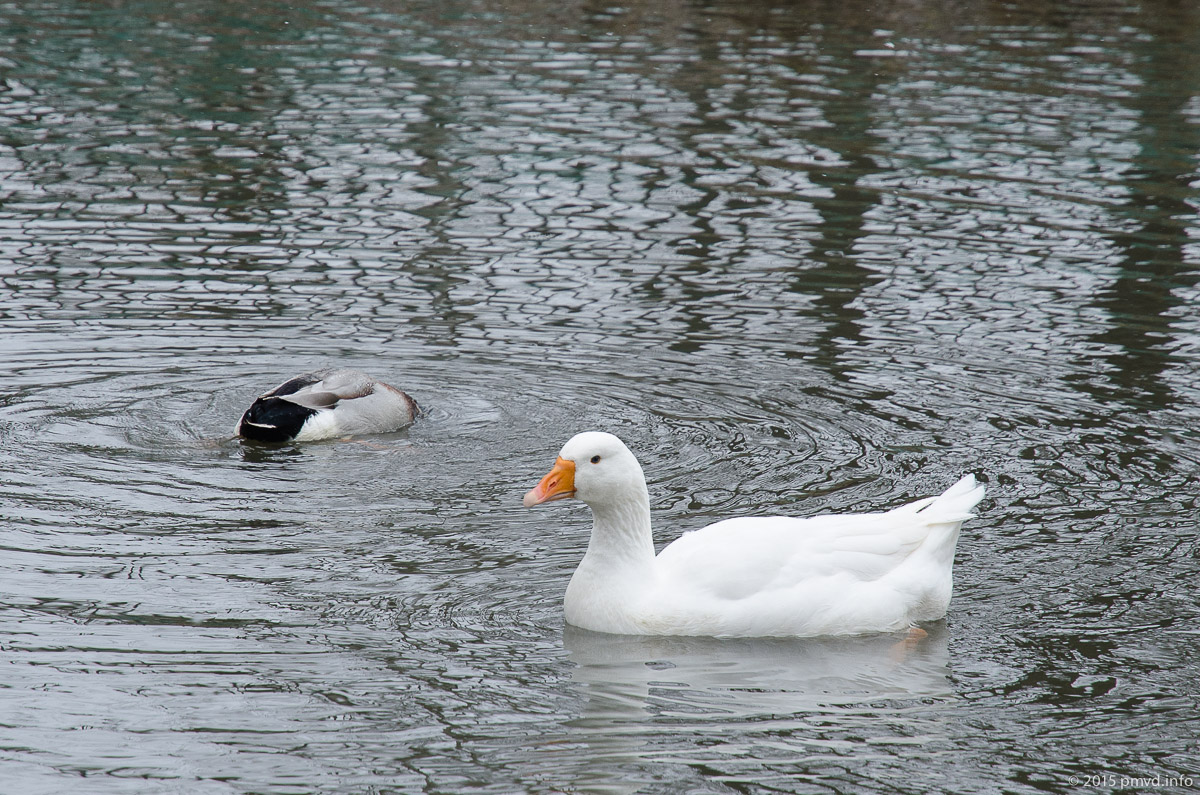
column 595, row 459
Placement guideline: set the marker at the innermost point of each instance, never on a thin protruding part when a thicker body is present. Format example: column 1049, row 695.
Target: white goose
column 754, row 576
column 325, row 404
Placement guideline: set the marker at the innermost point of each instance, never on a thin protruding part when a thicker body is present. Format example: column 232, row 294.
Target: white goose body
column 751, row 577
column 327, row 404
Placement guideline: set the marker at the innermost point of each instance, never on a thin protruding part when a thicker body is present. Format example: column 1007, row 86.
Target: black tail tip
column 273, row 420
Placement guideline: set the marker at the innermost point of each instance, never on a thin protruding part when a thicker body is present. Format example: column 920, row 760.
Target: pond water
column 802, row 257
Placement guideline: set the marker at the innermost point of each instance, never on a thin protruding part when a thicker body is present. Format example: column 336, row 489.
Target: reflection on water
column 723, row 705
column 821, row 257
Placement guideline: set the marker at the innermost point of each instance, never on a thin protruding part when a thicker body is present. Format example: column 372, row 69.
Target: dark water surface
column 802, row 257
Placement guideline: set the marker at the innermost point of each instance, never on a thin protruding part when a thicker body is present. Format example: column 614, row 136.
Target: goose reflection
column 750, row 677
column 644, row 696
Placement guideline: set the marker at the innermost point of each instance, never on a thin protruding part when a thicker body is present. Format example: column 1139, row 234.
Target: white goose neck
column 621, row 531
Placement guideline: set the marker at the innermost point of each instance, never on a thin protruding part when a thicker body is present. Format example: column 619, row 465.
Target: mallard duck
column 326, row 404
column 751, row 576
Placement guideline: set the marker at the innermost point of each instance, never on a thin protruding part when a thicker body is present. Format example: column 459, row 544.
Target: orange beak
column 558, row 484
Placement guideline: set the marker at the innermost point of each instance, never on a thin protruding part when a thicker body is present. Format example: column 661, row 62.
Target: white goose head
column 595, row 467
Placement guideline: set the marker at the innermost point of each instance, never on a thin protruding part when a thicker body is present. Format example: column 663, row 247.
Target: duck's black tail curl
column 273, row 419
